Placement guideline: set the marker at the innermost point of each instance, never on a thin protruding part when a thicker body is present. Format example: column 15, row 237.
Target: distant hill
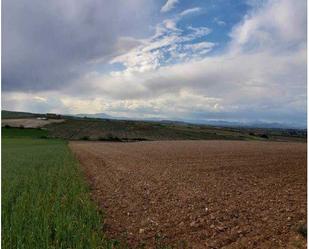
column 107, row 128
column 95, row 115
column 10, row 114
column 256, row 124
column 217, row 123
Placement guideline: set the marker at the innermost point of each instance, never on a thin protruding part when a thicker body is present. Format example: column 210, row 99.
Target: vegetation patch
column 86, row 138
column 302, row 229
column 10, row 132
column 110, row 137
column 129, row 130
column 45, row 201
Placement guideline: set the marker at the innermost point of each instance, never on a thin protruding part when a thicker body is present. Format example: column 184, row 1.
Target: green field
column 9, row 114
column 83, row 128
column 45, row 201
column 100, row 129
column 129, row 130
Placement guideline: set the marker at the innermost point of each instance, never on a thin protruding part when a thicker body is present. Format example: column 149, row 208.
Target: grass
column 116, row 130
column 75, row 128
column 45, row 201
column 9, row 114
column 23, row 133
column 129, row 130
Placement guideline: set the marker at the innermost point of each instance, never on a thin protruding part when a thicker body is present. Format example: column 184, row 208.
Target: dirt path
column 200, row 194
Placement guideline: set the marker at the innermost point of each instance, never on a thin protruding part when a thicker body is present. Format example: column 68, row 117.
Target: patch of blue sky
column 220, row 16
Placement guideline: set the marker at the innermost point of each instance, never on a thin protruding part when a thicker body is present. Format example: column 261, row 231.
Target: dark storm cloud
column 46, row 44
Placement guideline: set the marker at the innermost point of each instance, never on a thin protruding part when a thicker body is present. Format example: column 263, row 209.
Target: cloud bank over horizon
column 227, row 60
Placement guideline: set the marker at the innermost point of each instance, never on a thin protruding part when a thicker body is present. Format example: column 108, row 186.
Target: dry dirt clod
column 223, row 194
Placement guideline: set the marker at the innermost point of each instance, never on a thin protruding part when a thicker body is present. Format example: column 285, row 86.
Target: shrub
column 139, row 139
column 303, row 230
column 110, row 137
column 86, row 138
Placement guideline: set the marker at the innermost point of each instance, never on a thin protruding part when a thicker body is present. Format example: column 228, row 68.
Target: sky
column 193, row 60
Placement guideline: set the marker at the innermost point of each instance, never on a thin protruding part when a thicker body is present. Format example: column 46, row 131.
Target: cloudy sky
column 234, row 60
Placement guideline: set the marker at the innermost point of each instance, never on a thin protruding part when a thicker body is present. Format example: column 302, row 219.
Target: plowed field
column 29, row 122
column 199, row 194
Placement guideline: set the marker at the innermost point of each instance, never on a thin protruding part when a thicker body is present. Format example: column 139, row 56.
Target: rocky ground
column 199, row 194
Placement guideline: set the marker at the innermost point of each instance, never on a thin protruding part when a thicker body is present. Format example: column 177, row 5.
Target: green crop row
column 45, row 201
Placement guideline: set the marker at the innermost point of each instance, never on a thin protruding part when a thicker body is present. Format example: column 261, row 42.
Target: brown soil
column 199, row 194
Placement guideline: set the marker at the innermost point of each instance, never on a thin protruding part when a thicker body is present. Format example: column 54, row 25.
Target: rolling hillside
column 79, row 128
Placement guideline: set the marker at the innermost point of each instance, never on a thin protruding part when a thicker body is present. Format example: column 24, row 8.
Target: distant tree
column 264, row 136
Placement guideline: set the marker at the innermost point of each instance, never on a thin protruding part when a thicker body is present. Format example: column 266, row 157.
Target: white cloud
column 199, row 31
column 190, row 11
column 33, row 102
column 40, row 99
column 219, row 21
column 46, row 45
column 278, row 25
column 78, row 105
column 170, row 24
column 260, row 75
column 166, row 45
column 197, row 47
column 255, row 78
column 247, row 78
column 169, row 5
